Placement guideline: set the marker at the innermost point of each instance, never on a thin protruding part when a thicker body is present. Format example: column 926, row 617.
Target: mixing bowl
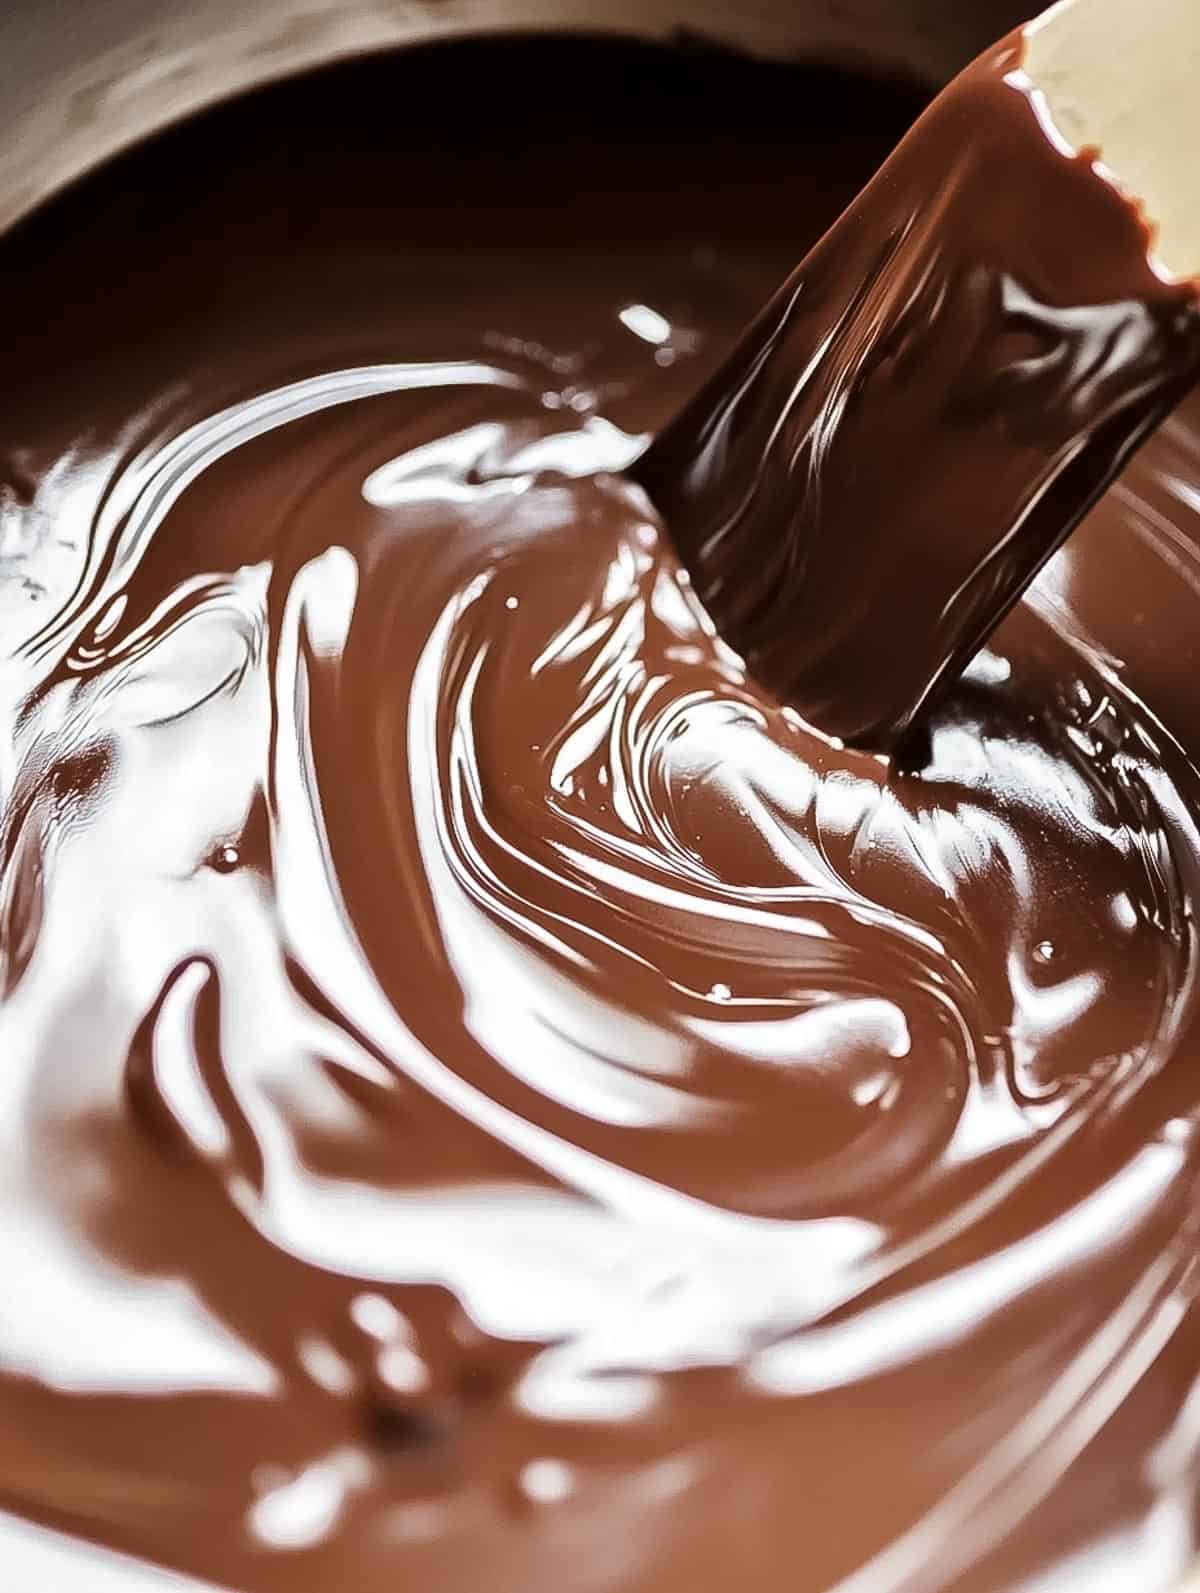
column 81, row 79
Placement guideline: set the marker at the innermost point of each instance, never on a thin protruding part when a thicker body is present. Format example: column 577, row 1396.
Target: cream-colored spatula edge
column 1122, row 78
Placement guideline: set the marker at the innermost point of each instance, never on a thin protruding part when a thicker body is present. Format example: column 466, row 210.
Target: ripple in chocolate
column 491, row 1097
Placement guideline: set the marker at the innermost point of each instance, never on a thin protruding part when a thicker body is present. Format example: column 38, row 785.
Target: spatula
column 954, row 374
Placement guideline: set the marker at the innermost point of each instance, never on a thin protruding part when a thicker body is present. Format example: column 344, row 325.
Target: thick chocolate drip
column 488, row 1098
column 924, row 411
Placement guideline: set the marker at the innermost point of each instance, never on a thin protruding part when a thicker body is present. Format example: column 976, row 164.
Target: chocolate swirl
column 492, row 1098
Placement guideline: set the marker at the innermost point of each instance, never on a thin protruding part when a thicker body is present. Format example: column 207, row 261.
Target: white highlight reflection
column 645, row 323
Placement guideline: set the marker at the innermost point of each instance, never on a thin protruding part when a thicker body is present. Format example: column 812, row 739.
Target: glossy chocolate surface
column 491, row 1099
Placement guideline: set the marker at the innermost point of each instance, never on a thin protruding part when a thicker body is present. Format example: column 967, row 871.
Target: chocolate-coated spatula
column 957, row 370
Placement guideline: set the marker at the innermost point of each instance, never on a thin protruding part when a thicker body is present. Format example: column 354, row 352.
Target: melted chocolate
column 491, row 1098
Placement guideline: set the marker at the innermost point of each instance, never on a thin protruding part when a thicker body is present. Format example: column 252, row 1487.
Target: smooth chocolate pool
column 490, row 1099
